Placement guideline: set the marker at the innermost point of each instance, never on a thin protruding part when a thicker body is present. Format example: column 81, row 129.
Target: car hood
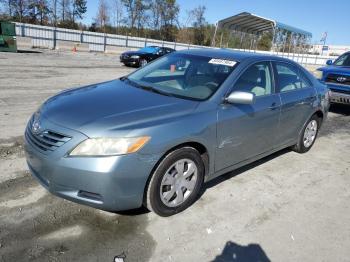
column 336, row 69
column 106, row 107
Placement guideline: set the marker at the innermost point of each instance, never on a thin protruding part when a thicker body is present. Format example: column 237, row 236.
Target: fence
column 49, row 37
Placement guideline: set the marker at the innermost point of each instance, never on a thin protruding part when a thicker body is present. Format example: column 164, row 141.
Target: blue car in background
column 337, row 77
column 143, row 56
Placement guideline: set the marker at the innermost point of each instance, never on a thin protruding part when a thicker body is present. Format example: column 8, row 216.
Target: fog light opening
column 90, row 195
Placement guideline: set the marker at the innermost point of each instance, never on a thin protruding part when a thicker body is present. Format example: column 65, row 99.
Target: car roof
column 230, row 54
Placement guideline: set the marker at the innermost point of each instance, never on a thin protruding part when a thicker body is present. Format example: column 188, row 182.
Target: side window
column 305, row 81
column 256, row 79
column 289, row 78
column 343, row 60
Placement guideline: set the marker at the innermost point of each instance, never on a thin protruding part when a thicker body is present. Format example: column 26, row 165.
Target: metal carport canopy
column 250, row 23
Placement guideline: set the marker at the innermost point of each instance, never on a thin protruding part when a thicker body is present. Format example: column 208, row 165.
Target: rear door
column 245, row 131
column 297, row 96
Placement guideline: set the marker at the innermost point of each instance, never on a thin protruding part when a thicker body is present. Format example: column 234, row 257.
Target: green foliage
column 79, row 8
column 69, row 24
column 38, row 12
column 265, row 42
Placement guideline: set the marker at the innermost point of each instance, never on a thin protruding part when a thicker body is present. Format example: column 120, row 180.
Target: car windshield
column 149, row 49
column 343, row 60
column 182, row 75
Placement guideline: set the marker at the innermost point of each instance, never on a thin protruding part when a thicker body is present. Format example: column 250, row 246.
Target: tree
column 164, row 18
column 39, row 11
column 155, row 8
column 102, row 16
column 265, row 41
column 117, row 8
column 19, row 9
column 79, row 9
column 131, row 7
column 9, row 6
column 54, row 12
column 137, row 13
column 65, row 9
column 199, row 25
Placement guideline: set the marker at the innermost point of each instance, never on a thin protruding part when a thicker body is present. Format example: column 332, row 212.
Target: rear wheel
column 176, row 182
column 308, row 135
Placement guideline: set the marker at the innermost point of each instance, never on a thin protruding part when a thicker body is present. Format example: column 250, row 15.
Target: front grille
column 338, row 90
column 335, row 78
column 46, row 141
column 342, row 100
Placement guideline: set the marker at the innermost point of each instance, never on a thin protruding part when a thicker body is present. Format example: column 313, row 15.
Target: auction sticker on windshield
column 222, row 62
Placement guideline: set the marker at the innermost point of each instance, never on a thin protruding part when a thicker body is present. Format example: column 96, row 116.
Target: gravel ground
column 286, row 207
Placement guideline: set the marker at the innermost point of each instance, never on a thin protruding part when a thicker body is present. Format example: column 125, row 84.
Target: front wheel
column 143, row 62
column 308, row 135
column 176, row 182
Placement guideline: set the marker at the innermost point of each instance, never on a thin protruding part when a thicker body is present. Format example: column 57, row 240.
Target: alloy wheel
column 143, row 62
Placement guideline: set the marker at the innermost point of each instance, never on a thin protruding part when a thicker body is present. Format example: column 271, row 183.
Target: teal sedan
column 154, row 137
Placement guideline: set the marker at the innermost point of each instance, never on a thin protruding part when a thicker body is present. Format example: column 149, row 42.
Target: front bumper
column 340, row 98
column 109, row 183
column 129, row 61
column 340, row 94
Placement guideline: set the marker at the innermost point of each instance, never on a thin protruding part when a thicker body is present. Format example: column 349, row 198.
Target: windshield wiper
column 145, row 87
column 154, row 90
column 123, row 78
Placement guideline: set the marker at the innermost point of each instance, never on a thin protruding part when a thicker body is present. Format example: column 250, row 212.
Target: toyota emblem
column 341, row 79
column 36, row 126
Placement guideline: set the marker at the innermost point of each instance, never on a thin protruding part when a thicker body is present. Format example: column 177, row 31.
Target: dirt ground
column 286, row 207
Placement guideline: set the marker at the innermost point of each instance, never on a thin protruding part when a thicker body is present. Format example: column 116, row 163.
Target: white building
column 330, row 50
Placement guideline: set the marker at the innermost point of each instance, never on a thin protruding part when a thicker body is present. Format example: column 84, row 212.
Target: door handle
column 308, row 101
column 273, row 106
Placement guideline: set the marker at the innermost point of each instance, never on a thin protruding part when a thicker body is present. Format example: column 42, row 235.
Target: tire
column 307, row 140
column 163, row 193
column 143, row 62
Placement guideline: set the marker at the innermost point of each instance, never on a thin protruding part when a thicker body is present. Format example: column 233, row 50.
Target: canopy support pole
column 214, row 38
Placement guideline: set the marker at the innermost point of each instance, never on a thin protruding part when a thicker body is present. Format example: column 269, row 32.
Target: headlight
column 135, row 57
column 318, row 74
column 109, row 146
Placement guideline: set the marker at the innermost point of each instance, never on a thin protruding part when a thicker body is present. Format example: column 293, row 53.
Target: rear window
column 290, row 78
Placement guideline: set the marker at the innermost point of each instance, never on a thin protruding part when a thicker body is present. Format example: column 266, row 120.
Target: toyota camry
column 154, row 137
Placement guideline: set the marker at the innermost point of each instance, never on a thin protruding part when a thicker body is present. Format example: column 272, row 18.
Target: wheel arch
column 319, row 113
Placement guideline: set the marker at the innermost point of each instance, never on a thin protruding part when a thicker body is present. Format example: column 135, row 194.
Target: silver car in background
column 154, row 137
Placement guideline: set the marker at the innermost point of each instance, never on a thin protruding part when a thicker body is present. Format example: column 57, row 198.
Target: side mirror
column 329, row 62
column 239, row 97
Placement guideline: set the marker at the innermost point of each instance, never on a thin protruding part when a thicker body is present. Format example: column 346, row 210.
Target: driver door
column 246, row 131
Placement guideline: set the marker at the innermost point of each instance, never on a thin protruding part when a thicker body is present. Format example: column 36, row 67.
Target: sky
column 315, row 16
